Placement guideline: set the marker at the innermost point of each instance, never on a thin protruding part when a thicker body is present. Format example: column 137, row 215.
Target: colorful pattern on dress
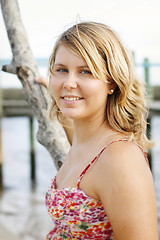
column 75, row 214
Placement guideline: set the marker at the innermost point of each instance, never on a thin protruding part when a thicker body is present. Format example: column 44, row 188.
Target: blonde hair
column 106, row 55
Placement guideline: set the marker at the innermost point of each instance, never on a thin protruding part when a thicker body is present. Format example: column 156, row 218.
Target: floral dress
column 75, row 214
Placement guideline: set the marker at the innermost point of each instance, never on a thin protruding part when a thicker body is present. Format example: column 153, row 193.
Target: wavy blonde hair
column 106, row 55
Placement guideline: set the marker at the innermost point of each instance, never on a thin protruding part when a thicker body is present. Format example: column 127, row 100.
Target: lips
column 71, row 98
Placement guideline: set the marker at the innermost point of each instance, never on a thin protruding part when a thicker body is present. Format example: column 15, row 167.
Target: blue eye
column 86, row 72
column 61, row 70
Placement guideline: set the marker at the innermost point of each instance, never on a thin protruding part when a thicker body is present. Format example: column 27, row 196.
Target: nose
column 70, row 82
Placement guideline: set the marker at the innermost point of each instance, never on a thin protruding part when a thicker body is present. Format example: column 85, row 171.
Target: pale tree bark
column 24, row 65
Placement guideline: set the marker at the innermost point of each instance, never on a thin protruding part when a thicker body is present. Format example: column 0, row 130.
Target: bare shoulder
column 125, row 156
column 125, row 187
column 123, row 163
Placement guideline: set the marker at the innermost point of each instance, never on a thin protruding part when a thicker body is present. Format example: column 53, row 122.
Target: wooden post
column 133, row 55
column 147, row 79
column 32, row 150
column 149, row 137
column 1, row 171
column 150, row 97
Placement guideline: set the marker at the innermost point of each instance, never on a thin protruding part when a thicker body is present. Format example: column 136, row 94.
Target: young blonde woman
column 104, row 189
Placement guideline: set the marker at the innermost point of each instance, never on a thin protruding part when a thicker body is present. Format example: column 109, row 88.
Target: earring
column 112, row 90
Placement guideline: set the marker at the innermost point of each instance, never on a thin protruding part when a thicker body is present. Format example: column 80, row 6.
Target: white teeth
column 71, row 98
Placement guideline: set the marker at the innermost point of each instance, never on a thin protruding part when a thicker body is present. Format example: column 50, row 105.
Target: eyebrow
column 62, row 65
column 58, row 64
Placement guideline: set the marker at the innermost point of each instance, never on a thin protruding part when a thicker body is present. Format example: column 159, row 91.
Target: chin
column 71, row 115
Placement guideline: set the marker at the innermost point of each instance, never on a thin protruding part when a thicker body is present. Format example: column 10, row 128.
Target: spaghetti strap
column 95, row 158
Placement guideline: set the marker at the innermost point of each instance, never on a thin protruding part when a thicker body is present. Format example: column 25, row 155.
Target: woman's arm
column 126, row 189
column 68, row 130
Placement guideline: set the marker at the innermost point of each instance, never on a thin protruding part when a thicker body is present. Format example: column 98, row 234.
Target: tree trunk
column 24, row 65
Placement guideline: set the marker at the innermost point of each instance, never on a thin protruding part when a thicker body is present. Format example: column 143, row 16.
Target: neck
column 87, row 130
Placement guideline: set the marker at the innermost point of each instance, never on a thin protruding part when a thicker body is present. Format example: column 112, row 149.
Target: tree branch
column 23, row 64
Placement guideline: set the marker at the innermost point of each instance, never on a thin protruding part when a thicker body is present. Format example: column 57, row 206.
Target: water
column 156, row 161
column 22, row 207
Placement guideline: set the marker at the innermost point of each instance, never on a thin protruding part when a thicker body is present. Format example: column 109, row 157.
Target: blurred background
column 27, row 167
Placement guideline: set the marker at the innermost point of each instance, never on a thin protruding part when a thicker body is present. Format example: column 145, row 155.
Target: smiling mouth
column 72, row 98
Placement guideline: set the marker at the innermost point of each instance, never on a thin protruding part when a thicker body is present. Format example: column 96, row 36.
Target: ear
column 112, row 87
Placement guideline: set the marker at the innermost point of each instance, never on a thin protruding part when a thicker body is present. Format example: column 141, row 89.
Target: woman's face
column 77, row 92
